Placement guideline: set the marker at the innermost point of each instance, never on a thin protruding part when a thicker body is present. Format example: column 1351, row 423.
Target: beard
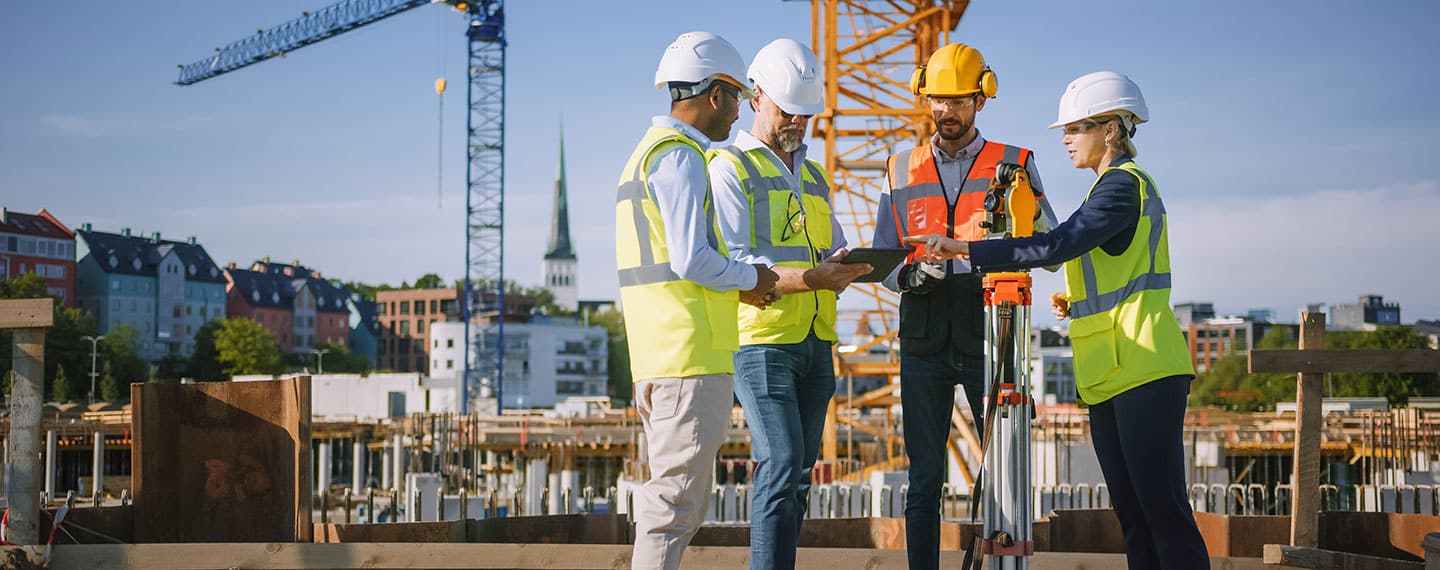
column 953, row 129
column 788, row 139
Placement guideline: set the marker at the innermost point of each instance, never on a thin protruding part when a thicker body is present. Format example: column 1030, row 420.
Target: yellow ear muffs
column 917, row 80
column 988, row 84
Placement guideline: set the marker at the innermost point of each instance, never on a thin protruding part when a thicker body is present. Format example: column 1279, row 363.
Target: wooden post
column 29, row 318
column 1305, row 513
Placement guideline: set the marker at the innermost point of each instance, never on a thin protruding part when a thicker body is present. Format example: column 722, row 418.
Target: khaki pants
column 686, row 420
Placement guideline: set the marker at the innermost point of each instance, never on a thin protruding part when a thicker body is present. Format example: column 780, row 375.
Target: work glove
column 921, row 278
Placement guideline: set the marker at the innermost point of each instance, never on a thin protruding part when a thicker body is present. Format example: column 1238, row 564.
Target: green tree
column 622, row 387
column 1397, row 388
column 365, row 290
column 245, row 347
column 204, row 365
column 341, row 360
column 429, row 281
column 111, row 390
column 122, row 354
column 60, row 386
column 64, row 345
column 1228, row 383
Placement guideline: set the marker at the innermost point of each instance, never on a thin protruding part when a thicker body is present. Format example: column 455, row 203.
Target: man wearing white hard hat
column 682, row 292
column 1132, row 366
column 774, row 209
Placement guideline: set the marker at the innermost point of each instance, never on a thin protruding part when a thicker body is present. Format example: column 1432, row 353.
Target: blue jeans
column 785, row 390
column 1139, row 440
column 927, row 393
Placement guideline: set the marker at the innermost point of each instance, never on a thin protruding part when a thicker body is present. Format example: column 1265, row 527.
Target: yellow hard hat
column 954, row 70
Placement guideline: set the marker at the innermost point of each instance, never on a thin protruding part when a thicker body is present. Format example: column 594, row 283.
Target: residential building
column 321, row 314
column 1052, row 367
column 165, row 289
column 1193, row 312
column 546, row 360
column 406, row 317
column 263, row 298
column 1217, row 337
column 559, row 266
column 1369, row 312
column 39, row 244
column 293, row 302
column 1261, row 315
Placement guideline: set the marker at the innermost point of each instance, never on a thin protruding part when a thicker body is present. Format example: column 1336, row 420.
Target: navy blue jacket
column 1106, row 220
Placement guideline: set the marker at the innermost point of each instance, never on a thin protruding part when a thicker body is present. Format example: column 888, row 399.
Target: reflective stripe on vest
column 637, row 193
column 676, row 328
column 1094, row 302
column 769, row 193
column 759, row 187
column 918, row 200
column 1123, row 331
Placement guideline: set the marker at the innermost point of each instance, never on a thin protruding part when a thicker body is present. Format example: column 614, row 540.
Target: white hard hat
column 696, row 57
column 789, row 74
column 1101, row 93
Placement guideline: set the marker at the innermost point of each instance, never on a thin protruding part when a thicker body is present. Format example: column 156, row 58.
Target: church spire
column 560, row 224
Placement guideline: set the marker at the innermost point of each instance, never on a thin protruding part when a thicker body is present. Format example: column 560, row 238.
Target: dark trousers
column 1139, row 439
column 927, row 394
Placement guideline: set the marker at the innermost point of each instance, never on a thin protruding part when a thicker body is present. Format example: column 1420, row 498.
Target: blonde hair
column 1122, row 143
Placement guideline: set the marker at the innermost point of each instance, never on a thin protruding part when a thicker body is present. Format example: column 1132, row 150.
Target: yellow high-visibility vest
column 675, row 327
column 1123, row 331
column 792, row 231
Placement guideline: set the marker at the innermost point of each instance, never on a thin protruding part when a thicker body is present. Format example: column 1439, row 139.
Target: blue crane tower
column 484, row 292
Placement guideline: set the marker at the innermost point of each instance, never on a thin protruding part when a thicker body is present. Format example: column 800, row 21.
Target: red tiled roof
column 43, row 224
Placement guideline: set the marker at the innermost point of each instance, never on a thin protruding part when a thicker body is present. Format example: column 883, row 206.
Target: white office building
column 546, row 361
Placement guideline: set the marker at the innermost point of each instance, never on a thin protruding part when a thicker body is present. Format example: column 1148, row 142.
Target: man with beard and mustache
column 774, row 209
column 680, row 289
column 939, row 188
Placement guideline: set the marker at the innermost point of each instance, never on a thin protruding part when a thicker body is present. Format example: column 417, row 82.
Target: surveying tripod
column 1003, row 486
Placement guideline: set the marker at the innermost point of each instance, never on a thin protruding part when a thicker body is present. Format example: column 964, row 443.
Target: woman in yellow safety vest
column 1132, row 366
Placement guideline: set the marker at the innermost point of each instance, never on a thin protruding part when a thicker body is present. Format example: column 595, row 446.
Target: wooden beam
column 1305, row 513
column 1321, row 361
column 1298, row 557
column 27, row 313
column 383, row 556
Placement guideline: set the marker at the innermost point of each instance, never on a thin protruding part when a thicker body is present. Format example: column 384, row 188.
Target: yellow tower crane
column 869, row 49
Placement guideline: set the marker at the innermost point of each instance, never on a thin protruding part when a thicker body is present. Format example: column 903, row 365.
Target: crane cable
column 440, row 145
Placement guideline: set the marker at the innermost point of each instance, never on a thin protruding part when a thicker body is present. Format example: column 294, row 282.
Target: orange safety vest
column 918, row 201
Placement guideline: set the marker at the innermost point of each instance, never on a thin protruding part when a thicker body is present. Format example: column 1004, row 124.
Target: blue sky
column 1290, row 139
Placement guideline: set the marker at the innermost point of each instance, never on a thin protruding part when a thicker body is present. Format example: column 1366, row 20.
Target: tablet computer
column 883, row 259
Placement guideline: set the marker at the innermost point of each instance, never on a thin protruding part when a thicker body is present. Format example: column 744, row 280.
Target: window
column 380, row 308
column 419, row 307
column 449, row 343
column 404, row 348
column 419, row 327
column 404, row 328
column 189, row 310
column 449, row 364
column 404, row 308
column 436, row 344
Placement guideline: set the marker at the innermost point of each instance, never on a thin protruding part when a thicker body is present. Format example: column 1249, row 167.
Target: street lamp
column 94, row 341
column 319, row 358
